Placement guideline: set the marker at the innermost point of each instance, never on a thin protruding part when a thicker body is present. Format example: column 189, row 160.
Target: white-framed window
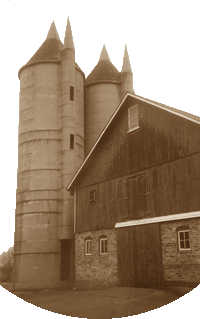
column 103, row 246
column 88, row 246
column 184, row 239
column 133, row 119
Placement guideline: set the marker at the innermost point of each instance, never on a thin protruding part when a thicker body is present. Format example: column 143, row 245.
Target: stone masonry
column 180, row 266
column 96, row 271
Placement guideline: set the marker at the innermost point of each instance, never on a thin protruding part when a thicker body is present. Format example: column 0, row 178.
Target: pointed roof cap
column 104, row 71
column 68, row 41
column 53, row 33
column 126, row 67
column 104, row 54
column 49, row 51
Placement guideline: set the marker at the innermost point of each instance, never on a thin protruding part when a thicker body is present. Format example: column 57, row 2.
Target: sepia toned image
column 101, row 181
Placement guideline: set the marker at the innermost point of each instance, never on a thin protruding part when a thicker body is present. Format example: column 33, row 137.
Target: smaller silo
column 102, row 96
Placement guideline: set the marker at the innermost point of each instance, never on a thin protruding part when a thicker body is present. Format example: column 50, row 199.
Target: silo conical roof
column 104, row 70
column 50, row 50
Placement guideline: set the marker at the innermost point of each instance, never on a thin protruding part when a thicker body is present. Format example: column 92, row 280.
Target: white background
column 162, row 38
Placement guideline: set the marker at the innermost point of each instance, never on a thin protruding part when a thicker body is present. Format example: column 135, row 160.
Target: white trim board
column 158, row 219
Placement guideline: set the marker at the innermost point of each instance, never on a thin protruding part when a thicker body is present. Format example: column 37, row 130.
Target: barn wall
column 96, row 271
column 180, row 266
column 161, row 138
column 165, row 189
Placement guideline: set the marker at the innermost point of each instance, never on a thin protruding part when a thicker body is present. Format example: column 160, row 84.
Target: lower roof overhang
column 160, row 219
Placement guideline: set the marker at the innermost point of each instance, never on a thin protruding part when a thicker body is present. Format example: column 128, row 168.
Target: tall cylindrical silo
column 37, row 248
column 72, row 150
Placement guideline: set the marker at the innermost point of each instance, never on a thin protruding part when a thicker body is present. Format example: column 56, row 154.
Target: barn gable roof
column 183, row 114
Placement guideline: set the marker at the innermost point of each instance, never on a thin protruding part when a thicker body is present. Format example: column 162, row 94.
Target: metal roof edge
column 165, row 109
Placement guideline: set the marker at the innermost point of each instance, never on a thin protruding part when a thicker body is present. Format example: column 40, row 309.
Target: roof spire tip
column 104, row 54
column 53, row 33
column 68, row 41
column 126, row 67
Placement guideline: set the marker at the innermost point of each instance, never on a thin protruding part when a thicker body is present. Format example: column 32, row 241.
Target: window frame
column 129, row 118
column 88, row 240
column 103, row 239
column 184, row 240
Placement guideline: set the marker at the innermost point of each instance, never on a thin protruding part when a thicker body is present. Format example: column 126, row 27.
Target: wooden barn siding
column 139, row 256
column 162, row 137
column 171, row 188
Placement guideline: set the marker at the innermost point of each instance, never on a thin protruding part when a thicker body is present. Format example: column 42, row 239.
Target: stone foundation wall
column 96, row 271
column 180, row 266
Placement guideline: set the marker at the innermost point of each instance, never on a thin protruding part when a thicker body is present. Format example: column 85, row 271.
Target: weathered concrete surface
column 37, row 248
column 101, row 100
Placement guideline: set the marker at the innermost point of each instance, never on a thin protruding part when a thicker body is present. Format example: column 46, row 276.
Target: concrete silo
column 72, row 148
column 105, row 86
column 47, row 122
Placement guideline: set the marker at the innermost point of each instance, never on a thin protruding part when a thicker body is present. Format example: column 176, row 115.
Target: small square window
column 71, row 141
column 103, row 246
column 133, row 120
column 184, row 239
column 88, row 246
column 71, row 93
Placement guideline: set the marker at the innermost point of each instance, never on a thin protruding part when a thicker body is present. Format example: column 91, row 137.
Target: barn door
column 65, row 260
column 147, row 256
column 139, row 256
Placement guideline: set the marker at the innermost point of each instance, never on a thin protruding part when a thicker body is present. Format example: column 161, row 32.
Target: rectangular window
column 88, row 247
column 71, row 93
column 71, row 141
column 184, row 239
column 103, row 246
column 133, row 121
column 92, row 197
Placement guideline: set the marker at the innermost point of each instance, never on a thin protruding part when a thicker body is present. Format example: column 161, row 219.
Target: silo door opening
column 65, row 259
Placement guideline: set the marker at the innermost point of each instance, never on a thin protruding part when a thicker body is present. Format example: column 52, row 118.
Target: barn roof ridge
column 188, row 116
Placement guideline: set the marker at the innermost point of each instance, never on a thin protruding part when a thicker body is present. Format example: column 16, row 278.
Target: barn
column 137, row 202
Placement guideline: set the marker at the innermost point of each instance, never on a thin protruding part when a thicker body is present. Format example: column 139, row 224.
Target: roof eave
column 46, row 61
column 102, row 81
column 34, row 63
